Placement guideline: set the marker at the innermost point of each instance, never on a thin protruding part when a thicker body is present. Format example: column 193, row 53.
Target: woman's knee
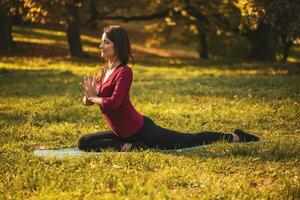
column 82, row 142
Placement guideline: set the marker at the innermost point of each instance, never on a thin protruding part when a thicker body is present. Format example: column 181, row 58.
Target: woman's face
column 107, row 48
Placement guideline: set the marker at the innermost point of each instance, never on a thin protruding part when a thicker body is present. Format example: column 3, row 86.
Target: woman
column 130, row 129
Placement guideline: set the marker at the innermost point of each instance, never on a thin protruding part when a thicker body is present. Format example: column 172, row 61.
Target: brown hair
column 119, row 37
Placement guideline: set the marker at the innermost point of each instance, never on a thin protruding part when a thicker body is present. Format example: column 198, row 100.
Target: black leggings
column 150, row 136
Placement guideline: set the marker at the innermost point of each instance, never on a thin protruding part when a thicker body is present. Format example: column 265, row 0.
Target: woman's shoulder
column 124, row 69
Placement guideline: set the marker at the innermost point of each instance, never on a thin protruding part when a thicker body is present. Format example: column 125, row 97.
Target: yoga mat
column 61, row 153
column 75, row 152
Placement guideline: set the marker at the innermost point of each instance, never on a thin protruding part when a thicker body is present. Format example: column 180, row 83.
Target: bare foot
column 245, row 137
column 235, row 138
column 126, row 147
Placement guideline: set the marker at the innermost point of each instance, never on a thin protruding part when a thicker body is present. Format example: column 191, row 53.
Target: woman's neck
column 113, row 63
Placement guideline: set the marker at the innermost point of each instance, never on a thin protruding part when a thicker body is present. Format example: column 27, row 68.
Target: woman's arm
column 96, row 100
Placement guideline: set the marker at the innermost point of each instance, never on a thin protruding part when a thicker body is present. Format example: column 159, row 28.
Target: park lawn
column 40, row 104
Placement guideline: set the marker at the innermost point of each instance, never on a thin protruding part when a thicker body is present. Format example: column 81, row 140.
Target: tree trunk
column 286, row 46
column 203, row 47
column 93, row 15
column 263, row 43
column 73, row 32
column 6, row 41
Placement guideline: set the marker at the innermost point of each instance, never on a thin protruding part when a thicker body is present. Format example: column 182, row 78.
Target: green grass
column 40, row 104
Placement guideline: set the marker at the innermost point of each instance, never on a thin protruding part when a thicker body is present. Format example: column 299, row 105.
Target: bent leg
column 99, row 141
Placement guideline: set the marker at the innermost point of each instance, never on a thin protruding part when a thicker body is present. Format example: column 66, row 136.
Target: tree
column 65, row 12
column 185, row 13
column 6, row 41
column 6, row 14
column 198, row 14
column 71, row 13
column 192, row 19
column 72, row 20
column 264, row 21
column 26, row 9
column 287, row 23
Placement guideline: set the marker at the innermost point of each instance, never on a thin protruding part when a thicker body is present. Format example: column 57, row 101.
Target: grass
column 40, row 105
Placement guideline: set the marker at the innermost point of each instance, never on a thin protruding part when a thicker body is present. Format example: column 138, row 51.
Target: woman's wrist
column 96, row 100
column 86, row 101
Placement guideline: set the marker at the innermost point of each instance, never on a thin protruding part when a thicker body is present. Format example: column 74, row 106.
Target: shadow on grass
column 52, row 94
column 148, row 59
column 59, row 92
column 36, row 83
column 260, row 151
column 57, row 51
column 34, row 50
column 254, row 87
column 31, row 33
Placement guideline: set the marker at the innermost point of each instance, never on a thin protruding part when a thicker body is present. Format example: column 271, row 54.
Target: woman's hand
column 89, row 86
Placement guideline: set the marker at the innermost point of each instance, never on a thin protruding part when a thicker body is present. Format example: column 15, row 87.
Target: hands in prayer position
column 89, row 86
column 90, row 91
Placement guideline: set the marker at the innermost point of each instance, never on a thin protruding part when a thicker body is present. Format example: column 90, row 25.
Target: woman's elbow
column 110, row 105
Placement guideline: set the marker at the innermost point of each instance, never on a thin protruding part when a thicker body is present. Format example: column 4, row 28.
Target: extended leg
column 169, row 139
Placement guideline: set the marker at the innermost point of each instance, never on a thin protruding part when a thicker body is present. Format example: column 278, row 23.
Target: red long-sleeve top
column 116, row 106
